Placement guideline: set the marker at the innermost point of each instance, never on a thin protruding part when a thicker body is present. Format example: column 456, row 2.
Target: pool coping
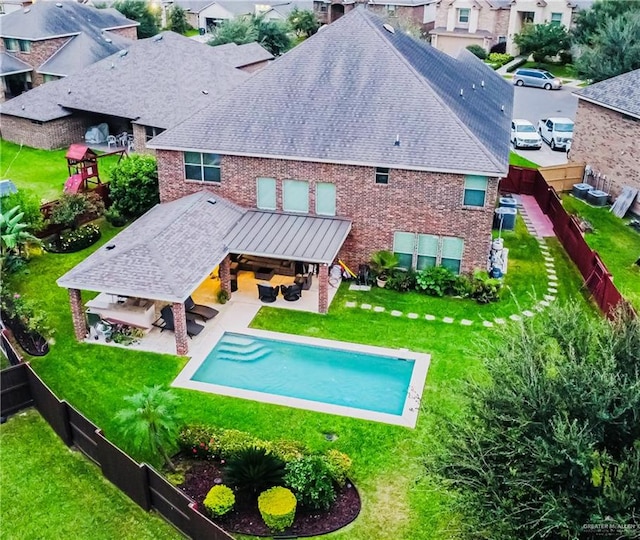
column 411, row 408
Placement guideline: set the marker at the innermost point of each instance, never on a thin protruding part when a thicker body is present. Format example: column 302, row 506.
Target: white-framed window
column 382, row 175
column 391, row 9
column 325, row 199
column 150, row 132
column 202, row 167
column 451, row 253
column 11, row 45
column 420, row 251
column 463, row 15
column 502, row 39
column 295, row 196
column 25, row 45
column 556, row 18
column 475, row 190
column 266, row 193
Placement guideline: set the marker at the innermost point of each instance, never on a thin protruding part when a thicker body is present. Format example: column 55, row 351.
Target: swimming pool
column 341, row 378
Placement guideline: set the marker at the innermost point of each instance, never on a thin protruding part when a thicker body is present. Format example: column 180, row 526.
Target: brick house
column 52, row 40
column 607, row 131
column 149, row 86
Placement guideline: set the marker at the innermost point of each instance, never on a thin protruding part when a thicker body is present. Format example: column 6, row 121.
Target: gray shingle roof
column 621, row 93
column 194, row 6
column 159, row 82
column 45, row 19
column 344, row 95
column 149, row 257
column 243, row 55
column 10, row 64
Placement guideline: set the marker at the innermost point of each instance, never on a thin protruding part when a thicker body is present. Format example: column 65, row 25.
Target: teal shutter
column 427, row 251
column 403, row 247
column 475, row 189
column 325, row 199
column 451, row 254
column 266, row 193
column 295, row 196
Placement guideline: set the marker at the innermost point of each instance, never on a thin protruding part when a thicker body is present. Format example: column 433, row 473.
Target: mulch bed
column 245, row 517
column 31, row 342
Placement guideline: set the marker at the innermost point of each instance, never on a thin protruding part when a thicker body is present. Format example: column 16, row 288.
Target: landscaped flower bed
column 74, row 240
column 27, row 322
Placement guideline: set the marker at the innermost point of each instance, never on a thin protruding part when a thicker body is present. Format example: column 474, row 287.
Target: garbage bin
column 202, row 31
column 507, row 216
column 507, row 202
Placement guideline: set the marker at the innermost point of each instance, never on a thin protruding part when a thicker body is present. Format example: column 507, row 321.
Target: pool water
column 327, row 375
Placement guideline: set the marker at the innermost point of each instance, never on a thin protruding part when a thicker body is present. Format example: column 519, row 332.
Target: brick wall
column 413, row 201
column 140, row 141
column 610, row 144
column 131, row 32
column 58, row 133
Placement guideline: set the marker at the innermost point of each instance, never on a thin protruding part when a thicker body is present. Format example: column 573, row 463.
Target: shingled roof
column 357, row 93
column 10, row 65
column 621, row 93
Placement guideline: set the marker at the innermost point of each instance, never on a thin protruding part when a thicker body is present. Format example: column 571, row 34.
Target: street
column 535, row 103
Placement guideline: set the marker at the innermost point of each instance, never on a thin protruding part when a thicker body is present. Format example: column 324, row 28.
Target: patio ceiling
column 312, row 239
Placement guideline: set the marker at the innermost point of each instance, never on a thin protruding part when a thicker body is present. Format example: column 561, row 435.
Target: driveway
column 533, row 104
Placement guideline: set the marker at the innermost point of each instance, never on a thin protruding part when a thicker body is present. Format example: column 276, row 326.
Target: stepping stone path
column 365, row 306
column 466, row 322
column 378, row 309
column 395, row 313
column 430, row 317
column 412, row 315
column 487, row 324
column 515, row 317
column 351, row 304
column 447, row 320
column 528, row 313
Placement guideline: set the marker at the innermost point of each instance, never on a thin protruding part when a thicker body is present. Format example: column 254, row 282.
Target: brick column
column 77, row 314
column 180, row 324
column 323, row 288
column 225, row 274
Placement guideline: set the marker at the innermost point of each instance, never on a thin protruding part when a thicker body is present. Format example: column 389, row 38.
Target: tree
column 134, row 185
column 542, row 40
column 303, row 22
column 590, row 21
column 178, row 20
column 239, row 31
column 615, row 49
column 272, row 35
column 141, row 11
column 151, row 421
column 550, row 444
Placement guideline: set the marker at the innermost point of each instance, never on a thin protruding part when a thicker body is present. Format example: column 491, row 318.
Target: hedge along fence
column 20, row 388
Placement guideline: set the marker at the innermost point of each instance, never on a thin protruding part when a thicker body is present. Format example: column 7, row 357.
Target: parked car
column 536, row 77
column 524, row 134
column 556, row 132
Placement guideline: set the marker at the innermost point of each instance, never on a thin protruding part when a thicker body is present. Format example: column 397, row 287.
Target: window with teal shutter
column 475, row 190
column 451, row 254
column 427, row 251
column 266, row 193
column 295, row 196
column 403, row 248
column 325, row 199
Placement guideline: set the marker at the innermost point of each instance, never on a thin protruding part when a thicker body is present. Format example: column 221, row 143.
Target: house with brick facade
column 147, row 87
column 607, row 132
column 50, row 40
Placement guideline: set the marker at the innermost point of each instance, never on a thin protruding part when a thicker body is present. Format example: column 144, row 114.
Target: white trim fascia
column 41, row 38
column 16, row 72
column 610, row 107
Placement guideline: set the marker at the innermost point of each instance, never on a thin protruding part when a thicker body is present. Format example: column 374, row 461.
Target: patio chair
column 304, row 280
column 292, row 292
column 205, row 313
column 267, row 294
column 112, row 141
column 193, row 328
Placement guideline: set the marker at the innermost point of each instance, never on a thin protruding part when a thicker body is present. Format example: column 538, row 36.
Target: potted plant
column 383, row 262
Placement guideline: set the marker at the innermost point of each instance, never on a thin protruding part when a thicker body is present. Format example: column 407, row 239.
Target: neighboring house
column 152, row 85
column 607, row 131
column 50, row 40
column 460, row 23
column 9, row 6
column 419, row 12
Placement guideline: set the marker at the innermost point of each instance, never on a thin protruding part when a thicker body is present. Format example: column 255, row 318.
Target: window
column 150, row 132
column 295, row 196
column 451, row 253
column 463, row 15
column 475, row 189
column 391, row 9
column 25, row 46
column 382, row 175
column 11, row 45
column 202, row 167
column 502, row 39
column 323, row 8
column 49, row 78
column 556, row 18
column 427, row 251
column 325, row 199
column 266, row 193
column 403, row 248
column 528, row 17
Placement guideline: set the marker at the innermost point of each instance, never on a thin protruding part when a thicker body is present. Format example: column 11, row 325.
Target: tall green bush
column 478, row 51
column 311, row 480
column 29, row 204
column 134, row 185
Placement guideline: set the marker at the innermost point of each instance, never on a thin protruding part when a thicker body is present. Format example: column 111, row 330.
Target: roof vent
column 110, row 247
column 158, row 37
column 212, row 201
column 397, row 141
column 124, row 53
column 108, row 40
column 473, row 86
column 68, row 90
column 205, row 92
column 27, row 10
column 502, row 108
column 58, row 4
column 482, row 84
column 389, row 28
column 461, row 92
column 112, row 65
column 22, row 107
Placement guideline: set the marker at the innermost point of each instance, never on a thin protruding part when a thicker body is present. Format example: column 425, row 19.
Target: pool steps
column 241, row 349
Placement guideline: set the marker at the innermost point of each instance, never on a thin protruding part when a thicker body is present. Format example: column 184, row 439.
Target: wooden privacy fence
column 597, row 278
column 20, row 387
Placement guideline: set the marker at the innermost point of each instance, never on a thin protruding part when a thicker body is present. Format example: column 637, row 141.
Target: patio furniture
column 122, row 138
column 130, row 143
column 267, row 294
column 193, row 328
column 139, row 312
column 291, row 293
column 206, row 313
column 112, row 141
column 304, row 280
column 264, row 273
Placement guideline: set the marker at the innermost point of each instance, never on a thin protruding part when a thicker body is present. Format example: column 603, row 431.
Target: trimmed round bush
column 339, row 465
column 277, row 507
column 75, row 240
column 478, row 51
column 219, row 500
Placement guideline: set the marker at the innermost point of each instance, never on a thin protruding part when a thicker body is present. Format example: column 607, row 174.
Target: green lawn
column 400, row 501
column 51, row 492
column 42, row 171
column 562, row 71
column 616, row 242
column 519, row 161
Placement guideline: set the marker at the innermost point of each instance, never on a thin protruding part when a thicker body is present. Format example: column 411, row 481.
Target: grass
column 50, row 492
column 42, row 171
column 562, row 71
column 519, row 161
column 616, row 242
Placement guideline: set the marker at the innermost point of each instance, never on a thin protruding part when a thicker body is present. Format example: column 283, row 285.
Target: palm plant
column 151, row 421
column 15, row 236
column 254, row 469
column 382, row 263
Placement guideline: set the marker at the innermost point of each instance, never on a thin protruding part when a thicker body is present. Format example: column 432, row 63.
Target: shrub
column 30, row 315
column 278, row 508
column 134, row 185
column 338, row 465
column 70, row 207
column 485, row 289
column 74, row 240
column 565, row 57
column 232, row 441
column 383, row 262
column 219, row 500
column 223, row 296
column 311, row 481
column 126, row 335
column 254, row 469
column 500, row 59
column 402, row 281
column 478, row 51
column 29, row 204
column 199, row 441
column 436, row 281
column 499, row 48
column 114, row 217
column 462, row 286
column 288, row 451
